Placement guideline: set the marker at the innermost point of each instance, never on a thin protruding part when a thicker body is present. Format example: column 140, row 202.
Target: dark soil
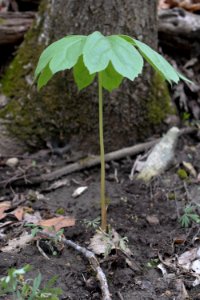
column 132, row 205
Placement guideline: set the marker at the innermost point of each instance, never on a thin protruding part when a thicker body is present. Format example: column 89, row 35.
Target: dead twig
column 41, row 251
column 83, row 164
column 92, row 259
column 90, row 162
column 120, row 295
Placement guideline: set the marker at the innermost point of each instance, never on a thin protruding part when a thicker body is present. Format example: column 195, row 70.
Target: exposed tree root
column 92, row 259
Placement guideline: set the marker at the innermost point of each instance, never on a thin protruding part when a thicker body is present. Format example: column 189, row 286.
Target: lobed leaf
column 181, row 76
column 61, row 55
column 116, row 56
column 96, row 52
column 81, row 74
column 44, row 77
column 48, row 54
column 158, row 62
column 110, row 78
column 67, row 57
column 126, row 60
column 99, row 50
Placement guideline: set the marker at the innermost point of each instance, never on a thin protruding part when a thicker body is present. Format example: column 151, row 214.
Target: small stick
column 41, row 251
column 92, row 259
column 120, row 295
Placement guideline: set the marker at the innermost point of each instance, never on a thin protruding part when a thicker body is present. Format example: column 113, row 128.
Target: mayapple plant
column 110, row 57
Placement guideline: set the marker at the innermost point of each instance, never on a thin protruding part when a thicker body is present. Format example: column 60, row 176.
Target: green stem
column 103, row 198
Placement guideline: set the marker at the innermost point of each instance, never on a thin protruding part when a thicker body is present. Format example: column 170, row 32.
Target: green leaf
column 194, row 217
column 68, row 55
column 181, row 76
column 96, row 52
column 127, row 38
column 126, row 60
column 158, row 62
column 110, row 78
column 99, row 50
column 48, row 54
column 81, row 74
column 61, row 54
column 44, row 77
column 116, row 56
column 185, row 221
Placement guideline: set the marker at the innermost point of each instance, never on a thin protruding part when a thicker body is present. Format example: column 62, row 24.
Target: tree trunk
column 62, row 115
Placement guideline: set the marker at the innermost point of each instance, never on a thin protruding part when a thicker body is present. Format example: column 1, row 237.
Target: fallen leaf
column 3, row 207
column 18, row 213
column 32, row 218
column 178, row 240
column 15, row 245
column 196, row 266
column 196, row 282
column 187, row 257
column 58, row 222
column 102, row 243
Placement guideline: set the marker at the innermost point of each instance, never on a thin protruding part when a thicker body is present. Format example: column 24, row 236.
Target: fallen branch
column 92, row 259
column 13, row 26
column 179, row 29
column 87, row 163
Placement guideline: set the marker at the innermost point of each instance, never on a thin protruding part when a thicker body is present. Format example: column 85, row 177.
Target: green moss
column 2, row 21
column 60, row 211
column 171, row 196
column 159, row 101
column 17, row 79
column 182, row 174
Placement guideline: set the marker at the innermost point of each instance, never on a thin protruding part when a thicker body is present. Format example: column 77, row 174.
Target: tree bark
column 59, row 113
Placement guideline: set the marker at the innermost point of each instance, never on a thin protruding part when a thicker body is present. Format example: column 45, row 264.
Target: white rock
column 12, row 162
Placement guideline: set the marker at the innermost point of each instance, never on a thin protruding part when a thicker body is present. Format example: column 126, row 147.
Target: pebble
column 152, row 220
column 12, row 162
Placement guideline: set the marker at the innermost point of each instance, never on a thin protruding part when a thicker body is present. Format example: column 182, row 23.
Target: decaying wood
column 91, row 258
column 179, row 28
column 13, row 26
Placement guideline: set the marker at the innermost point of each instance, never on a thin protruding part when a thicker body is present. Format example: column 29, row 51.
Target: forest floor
column 162, row 262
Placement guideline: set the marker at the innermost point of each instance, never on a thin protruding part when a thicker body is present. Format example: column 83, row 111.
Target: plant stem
column 102, row 158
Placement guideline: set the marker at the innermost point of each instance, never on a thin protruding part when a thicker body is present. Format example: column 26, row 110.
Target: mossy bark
column 62, row 114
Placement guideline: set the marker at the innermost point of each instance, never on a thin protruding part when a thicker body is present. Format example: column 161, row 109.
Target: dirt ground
column 148, row 215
